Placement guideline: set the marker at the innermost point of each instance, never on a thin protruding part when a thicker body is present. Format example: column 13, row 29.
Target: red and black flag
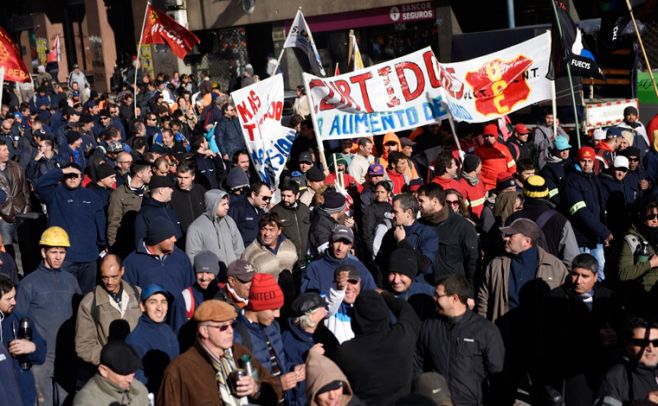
column 569, row 48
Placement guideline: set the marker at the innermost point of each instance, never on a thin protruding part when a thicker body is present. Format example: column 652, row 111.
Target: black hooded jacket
column 378, row 362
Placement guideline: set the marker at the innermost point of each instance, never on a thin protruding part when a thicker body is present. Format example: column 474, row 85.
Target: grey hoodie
column 208, row 232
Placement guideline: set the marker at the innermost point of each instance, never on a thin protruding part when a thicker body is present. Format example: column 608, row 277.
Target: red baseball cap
column 521, row 128
column 586, row 152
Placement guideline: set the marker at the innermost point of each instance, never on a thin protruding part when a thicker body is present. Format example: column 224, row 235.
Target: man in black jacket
column 634, row 380
column 458, row 245
column 295, row 219
column 376, row 361
column 577, row 334
column 187, row 199
column 464, row 347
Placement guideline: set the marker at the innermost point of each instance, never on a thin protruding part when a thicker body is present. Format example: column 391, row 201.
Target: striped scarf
column 223, row 366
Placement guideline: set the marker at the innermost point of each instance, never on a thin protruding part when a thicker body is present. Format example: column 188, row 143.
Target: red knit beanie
column 265, row 293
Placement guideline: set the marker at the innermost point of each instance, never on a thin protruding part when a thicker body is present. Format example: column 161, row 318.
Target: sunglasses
column 641, row 342
column 651, row 216
column 453, row 202
column 633, row 159
column 221, row 328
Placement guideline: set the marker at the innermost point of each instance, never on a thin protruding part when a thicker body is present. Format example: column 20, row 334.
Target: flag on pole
column 358, row 61
column 570, row 49
column 162, row 29
column 615, row 17
column 10, row 60
column 300, row 37
column 55, row 54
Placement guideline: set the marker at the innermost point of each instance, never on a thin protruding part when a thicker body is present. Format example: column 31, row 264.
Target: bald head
column 111, row 273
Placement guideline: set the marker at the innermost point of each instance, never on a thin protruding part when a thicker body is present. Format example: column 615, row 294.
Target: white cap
column 620, row 162
column 599, row 134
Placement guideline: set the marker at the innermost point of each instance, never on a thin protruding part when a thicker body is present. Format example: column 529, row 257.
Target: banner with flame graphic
column 491, row 86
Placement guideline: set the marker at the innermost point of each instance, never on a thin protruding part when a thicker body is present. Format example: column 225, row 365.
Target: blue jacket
column 246, row 218
column 319, row 275
column 38, row 357
column 157, row 345
column 47, row 297
column 229, row 137
column 152, row 209
column 66, row 155
column 173, row 272
column 297, row 343
column 78, row 211
column 257, row 344
column 583, row 201
column 9, row 386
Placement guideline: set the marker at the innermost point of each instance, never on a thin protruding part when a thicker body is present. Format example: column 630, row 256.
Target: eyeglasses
column 221, row 328
column 437, row 297
column 641, row 342
column 652, row 216
column 453, row 202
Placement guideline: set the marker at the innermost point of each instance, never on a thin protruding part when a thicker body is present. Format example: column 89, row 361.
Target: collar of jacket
column 300, row 334
column 438, row 217
column 112, row 390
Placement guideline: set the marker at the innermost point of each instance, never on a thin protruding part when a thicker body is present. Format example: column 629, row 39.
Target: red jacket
column 449, row 184
column 397, row 179
column 475, row 196
column 495, row 158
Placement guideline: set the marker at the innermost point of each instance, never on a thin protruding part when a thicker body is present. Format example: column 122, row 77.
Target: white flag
column 300, row 37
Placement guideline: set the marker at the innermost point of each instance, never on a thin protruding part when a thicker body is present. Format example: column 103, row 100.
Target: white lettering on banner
column 581, row 64
column 157, row 27
column 415, row 90
column 260, row 108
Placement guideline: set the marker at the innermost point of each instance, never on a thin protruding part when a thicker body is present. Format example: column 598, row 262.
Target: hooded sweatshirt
column 321, row 371
column 377, row 361
column 389, row 137
column 218, row 235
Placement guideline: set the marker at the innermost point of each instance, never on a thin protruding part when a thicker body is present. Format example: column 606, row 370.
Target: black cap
column 86, row 118
column 103, row 171
column 306, row 302
column 72, row 136
column 314, row 174
column 120, row 357
column 305, row 157
column 160, row 181
column 104, row 113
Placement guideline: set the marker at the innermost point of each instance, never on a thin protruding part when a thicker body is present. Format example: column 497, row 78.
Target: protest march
column 408, row 227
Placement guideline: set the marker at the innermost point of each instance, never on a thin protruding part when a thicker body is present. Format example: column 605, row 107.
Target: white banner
column 397, row 95
column 491, row 86
column 260, row 107
column 413, row 91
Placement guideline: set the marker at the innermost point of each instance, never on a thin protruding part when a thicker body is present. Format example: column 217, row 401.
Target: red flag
column 10, row 59
column 162, row 29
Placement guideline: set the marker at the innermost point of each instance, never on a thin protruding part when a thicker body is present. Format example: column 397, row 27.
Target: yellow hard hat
column 55, row 237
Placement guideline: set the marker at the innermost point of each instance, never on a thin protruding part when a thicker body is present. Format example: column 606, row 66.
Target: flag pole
column 139, row 54
column 350, row 49
column 318, row 140
column 553, row 102
column 283, row 48
column 573, row 93
column 2, row 82
column 644, row 52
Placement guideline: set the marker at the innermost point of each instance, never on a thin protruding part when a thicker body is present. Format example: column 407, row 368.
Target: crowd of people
column 155, row 267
